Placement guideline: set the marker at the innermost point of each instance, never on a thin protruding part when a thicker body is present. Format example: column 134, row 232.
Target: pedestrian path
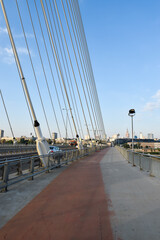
column 134, row 199
column 100, row 197
column 73, row 206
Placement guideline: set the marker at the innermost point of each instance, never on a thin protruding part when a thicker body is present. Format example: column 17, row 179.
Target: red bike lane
column 72, row 207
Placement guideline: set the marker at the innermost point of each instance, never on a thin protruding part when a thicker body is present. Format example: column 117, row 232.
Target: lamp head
column 131, row 112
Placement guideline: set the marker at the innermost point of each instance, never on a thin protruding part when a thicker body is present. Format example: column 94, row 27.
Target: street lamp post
column 132, row 114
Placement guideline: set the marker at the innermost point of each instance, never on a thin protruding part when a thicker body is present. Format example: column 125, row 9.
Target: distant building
column 150, row 136
column 141, row 135
column 127, row 134
column 114, row 137
column 1, row 133
column 97, row 137
column 86, row 137
column 7, row 138
column 54, row 135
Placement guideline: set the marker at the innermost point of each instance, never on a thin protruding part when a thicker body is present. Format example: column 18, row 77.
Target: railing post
column 72, row 158
column 66, row 162
column 32, row 168
column 133, row 159
column 140, row 161
column 59, row 161
column 78, row 152
column 19, row 169
column 5, row 176
column 48, row 163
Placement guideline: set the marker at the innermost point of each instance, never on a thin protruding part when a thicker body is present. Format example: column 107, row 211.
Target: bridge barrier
column 13, row 149
column 145, row 162
column 21, row 168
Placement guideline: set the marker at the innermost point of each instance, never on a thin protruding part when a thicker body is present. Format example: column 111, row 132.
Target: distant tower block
column 127, row 134
column 141, row 135
column 1, row 133
column 150, row 136
column 54, row 135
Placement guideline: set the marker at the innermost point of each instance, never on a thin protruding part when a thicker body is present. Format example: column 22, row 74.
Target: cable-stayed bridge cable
column 44, row 72
column 19, row 14
column 66, row 70
column 49, row 62
column 72, row 69
column 60, row 75
column 58, row 64
column 82, row 62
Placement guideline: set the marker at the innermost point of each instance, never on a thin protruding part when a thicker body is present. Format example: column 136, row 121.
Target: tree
column 22, row 141
column 126, row 145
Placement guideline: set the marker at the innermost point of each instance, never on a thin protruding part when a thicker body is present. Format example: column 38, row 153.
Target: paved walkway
column 73, row 206
column 100, row 197
column 134, row 199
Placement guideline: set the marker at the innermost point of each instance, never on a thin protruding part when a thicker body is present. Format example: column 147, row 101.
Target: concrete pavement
column 134, row 199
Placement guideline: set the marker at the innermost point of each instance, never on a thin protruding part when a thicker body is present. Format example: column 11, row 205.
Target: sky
column 124, row 44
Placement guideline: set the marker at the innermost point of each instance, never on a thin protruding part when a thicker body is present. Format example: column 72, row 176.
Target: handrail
column 26, row 167
column 146, row 162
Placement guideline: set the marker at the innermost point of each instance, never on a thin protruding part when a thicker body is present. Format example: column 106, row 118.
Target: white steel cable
column 91, row 87
column 19, row 68
column 39, row 52
column 77, row 60
column 86, row 51
column 84, row 64
column 70, row 61
column 61, row 78
column 78, row 65
column 33, row 68
column 58, row 64
column 72, row 71
column 49, row 62
column 73, row 102
column 91, row 70
column 86, row 67
column 7, row 114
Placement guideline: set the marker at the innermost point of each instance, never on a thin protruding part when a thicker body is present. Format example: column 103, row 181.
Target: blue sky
column 124, row 44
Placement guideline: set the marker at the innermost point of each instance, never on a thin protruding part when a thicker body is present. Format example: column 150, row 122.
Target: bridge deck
column 135, row 199
column 98, row 197
column 73, row 206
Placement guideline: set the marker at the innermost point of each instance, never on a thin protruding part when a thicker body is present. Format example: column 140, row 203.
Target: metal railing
column 145, row 162
column 21, row 168
column 11, row 149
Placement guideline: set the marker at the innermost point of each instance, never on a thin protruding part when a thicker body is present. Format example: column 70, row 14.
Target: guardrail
column 145, row 162
column 10, row 149
column 22, row 168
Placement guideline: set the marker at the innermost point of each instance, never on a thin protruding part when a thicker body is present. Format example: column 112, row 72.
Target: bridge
column 100, row 196
column 86, row 192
